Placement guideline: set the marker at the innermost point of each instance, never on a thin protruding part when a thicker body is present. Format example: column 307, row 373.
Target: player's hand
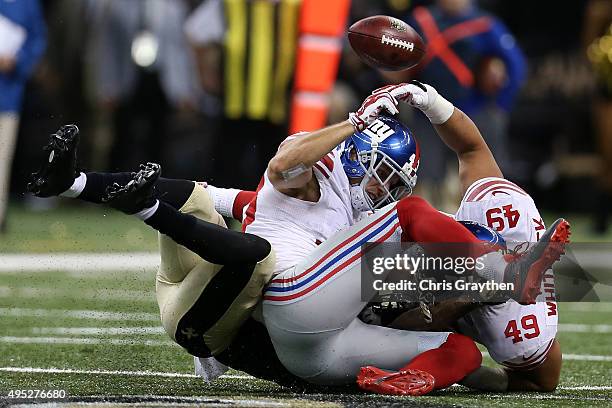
column 371, row 108
column 414, row 93
column 423, row 97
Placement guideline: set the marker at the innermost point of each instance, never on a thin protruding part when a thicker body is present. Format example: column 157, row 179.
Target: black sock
column 173, row 192
column 213, row 243
column 97, row 183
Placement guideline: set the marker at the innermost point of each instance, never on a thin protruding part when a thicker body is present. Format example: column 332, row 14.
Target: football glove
column 423, row 97
column 371, row 108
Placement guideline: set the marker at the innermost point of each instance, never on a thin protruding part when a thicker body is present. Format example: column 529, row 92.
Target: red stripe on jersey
column 329, row 275
column 242, row 200
column 250, row 212
column 497, row 182
column 499, row 188
column 533, row 360
column 496, row 192
column 334, row 250
column 328, row 162
column 318, row 166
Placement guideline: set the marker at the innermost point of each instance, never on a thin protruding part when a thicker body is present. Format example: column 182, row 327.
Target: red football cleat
column 527, row 270
column 406, row 382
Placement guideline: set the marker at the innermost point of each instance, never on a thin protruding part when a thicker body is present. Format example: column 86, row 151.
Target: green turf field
column 96, row 335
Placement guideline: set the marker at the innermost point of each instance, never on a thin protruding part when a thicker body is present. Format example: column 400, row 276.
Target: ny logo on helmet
column 378, row 131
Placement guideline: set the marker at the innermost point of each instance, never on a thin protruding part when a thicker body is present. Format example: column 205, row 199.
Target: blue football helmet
column 486, row 234
column 385, row 149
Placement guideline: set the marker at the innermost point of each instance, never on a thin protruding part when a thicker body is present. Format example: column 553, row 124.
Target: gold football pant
column 203, row 305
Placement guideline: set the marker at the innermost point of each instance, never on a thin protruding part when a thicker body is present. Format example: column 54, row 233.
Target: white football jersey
column 517, row 336
column 295, row 227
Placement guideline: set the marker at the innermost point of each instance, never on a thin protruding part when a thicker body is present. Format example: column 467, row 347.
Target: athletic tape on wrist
column 440, row 110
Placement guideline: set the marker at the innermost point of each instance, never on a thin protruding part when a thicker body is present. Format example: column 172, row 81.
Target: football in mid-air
column 386, row 43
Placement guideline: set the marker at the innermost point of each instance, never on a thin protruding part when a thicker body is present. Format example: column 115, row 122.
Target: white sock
column 77, row 187
column 147, row 212
column 494, row 267
column 223, row 198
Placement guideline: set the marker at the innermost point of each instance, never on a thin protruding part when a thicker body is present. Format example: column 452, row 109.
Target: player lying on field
column 455, row 125
column 520, row 337
column 206, row 300
column 206, row 294
column 314, row 191
column 335, row 353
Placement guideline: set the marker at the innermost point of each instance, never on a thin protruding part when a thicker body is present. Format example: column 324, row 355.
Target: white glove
column 371, row 108
column 423, row 97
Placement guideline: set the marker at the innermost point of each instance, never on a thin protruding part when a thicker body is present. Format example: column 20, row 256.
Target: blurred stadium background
column 153, row 80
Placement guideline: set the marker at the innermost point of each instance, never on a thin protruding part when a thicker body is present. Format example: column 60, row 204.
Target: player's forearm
column 307, row 150
column 491, row 379
column 444, row 315
column 461, row 134
column 455, row 129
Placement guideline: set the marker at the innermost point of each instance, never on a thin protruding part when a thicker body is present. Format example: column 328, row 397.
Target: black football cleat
column 59, row 170
column 137, row 194
column 527, row 270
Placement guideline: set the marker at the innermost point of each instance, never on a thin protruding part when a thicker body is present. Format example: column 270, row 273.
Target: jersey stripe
column 328, row 162
column 243, row 199
column 388, row 228
column 498, row 188
column 294, row 284
column 334, row 250
column 318, row 166
column 533, row 361
column 500, row 183
column 249, row 216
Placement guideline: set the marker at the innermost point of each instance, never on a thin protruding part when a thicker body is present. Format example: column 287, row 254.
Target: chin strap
column 358, row 199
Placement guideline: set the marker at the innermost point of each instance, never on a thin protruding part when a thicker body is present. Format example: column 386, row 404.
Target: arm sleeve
column 35, row 43
column 503, row 45
column 230, row 202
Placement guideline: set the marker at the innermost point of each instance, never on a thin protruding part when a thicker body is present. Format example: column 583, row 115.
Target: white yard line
column 604, row 307
column 99, row 293
column 85, row 262
column 79, row 263
column 585, row 328
column 575, row 357
column 586, row 357
column 117, row 331
column 97, row 331
column 185, row 375
column 85, row 340
column 79, row 314
column 106, row 372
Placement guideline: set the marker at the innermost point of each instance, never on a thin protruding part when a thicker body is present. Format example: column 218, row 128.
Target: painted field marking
column 81, row 264
column 604, row 307
column 79, row 314
column 85, row 340
column 224, row 376
column 119, row 331
column 97, row 331
column 585, row 328
column 101, row 293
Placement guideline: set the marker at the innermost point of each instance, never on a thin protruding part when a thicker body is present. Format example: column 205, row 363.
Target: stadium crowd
column 152, row 80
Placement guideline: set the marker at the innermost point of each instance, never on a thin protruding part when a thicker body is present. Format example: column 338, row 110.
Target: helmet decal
column 386, row 152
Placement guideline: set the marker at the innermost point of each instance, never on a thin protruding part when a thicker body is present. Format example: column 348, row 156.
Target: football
column 386, row 43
